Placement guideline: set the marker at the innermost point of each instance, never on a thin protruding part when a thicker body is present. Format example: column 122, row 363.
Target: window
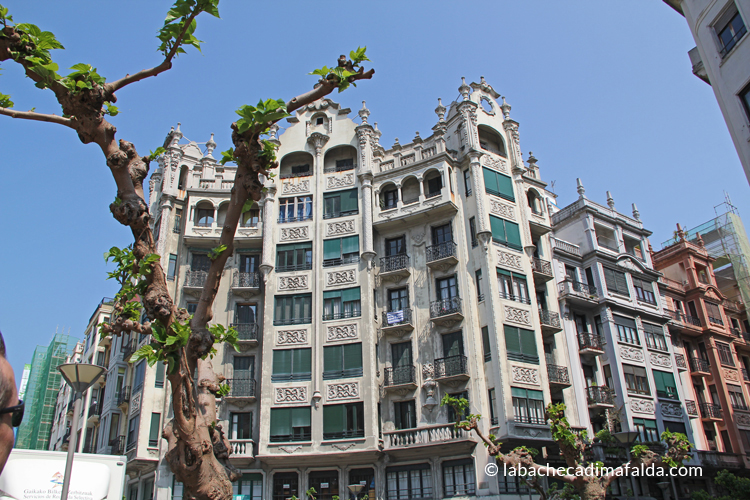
column 447, row 288
column 498, row 184
column 405, row 415
column 294, row 257
column 467, row 182
column 473, row 231
column 204, row 214
column 644, row 291
column 493, row 402
column 177, row 489
column 676, row 427
column 505, row 232
column 478, row 278
column 510, row 484
column 285, row 485
column 390, row 199
column 290, row 424
column 452, row 412
column 250, row 218
column 636, row 380
column 338, row 304
column 616, row 282
column 725, row 354
column 159, row 379
column 714, row 314
column 655, row 337
column 365, row 477
column 133, row 432
column 139, row 376
column 341, row 251
column 409, row 482
column 291, row 364
column 745, row 98
column 154, row 430
column 528, row 406
column 295, row 209
column 341, row 361
column 729, row 29
column 665, row 385
column 626, row 330
column 240, row 425
column 442, row 234
column 458, row 477
column 521, row 345
column 647, row 429
column 345, row 164
column 434, row 186
column 248, row 487
column 243, row 367
column 513, row 286
column 340, row 203
column 191, row 307
column 245, row 314
column 172, row 269
column 177, row 220
column 343, row 421
column 398, row 300
column 395, row 246
column 301, row 170
column 736, row 398
column 292, row 309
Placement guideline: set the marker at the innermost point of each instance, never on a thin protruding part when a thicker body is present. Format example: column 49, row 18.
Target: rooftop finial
column 610, row 201
column 699, row 240
column 272, row 131
column 531, row 161
column 482, row 80
column 440, row 110
column 680, row 233
column 581, row 190
column 364, row 113
column 210, row 146
column 178, row 128
column 636, row 213
column 506, row 109
column 464, row 89
column 417, row 139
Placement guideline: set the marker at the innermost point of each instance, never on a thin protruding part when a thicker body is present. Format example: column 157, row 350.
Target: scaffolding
column 725, row 239
column 41, row 392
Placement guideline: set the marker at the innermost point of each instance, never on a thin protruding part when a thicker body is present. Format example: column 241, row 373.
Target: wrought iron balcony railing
column 393, row 318
column 95, row 409
column 451, row 366
column 569, row 286
column 400, row 375
column 350, row 259
column 549, row 318
column 541, row 266
column 558, row 374
column 445, row 307
column 593, row 341
column 306, row 266
column 196, row 278
column 394, row 263
column 246, row 280
column 129, row 348
column 246, row 331
column 683, row 318
column 241, row 387
column 710, row 410
column 441, row 251
column 123, row 396
column 600, row 395
column 699, row 365
column 294, row 218
column 117, row 445
column 729, row 44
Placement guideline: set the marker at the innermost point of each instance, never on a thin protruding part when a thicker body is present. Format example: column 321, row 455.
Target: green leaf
column 158, row 332
column 5, row 101
column 227, row 156
column 357, row 56
column 216, row 252
column 144, row 352
column 155, row 154
column 111, row 110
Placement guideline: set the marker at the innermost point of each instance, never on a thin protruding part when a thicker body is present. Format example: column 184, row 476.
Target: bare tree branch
column 41, row 117
column 324, row 88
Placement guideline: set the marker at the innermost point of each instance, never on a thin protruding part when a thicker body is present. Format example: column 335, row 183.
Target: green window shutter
column 306, row 304
column 153, row 434
column 622, row 320
column 281, row 421
column 505, row 186
column 331, row 195
column 332, row 294
column 332, row 361
column 301, row 417
column 535, row 395
column 350, row 244
column 490, row 181
column 350, row 294
column 486, row 342
column 352, row 356
column 302, row 361
column 160, row 369
column 622, row 283
column 528, row 343
column 512, row 340
column 282, row 362
column 333, row 419
column 609, row 278
column 504, row 272
column 518, row 392
column 513, row 235
column 332, row 249
column 659, row 381
column 669, row 382
column 498, row 229
column 349, row 200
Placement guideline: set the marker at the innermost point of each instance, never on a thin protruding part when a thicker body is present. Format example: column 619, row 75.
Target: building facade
column 720, row 57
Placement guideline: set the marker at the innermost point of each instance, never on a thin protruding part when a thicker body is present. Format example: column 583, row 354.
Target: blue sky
column 602, row 90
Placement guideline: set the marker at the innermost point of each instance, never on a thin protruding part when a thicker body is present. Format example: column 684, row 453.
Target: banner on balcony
column 395, row 317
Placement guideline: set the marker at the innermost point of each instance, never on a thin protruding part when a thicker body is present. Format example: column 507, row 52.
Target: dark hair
column 2, row 345
column 5, row 386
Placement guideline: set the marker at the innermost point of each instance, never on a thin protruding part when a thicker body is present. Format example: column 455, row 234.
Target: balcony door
column 582, row 324
column 249, row 263
column 401, row 355
column 442, row 234
column 447, row 288
column 244, row 367
column 246, row 314
column 395, row 246
column 453, row 344
column 201, row 262
column 398, row 300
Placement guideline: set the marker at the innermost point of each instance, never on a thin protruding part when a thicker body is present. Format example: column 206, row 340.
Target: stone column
column 477, row 184
column 267, row 259
column 166, row 209
column 368, row 253
column 517, row 168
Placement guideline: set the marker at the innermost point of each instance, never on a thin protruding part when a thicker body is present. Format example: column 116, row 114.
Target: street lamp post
column 79, row 376
column 628, row 438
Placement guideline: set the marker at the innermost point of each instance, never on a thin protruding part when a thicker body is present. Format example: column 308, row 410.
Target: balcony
column 699, row 365
column 600, row 397
column 394, row 267
column 453, row 369
column 736, row 332
column 710, row 411
column 397, row 323
column 590, row 343
column 400, row 379
column 558, row 375
column 721, row 460
column 691, row 408
column 745, row 375
column 95, row 410
column 578, row 293
column 128, row 349
column 542, row 270
column 123, row 397
column 241, row 389
column 679, row 361
column 442, row 256
column 425, row 436
column 247, row 333
column 195, row 279
column 242, row 450
column 682, row 318
column 117, row 446
column 550, row 321
column 71, row 407
column 446, row 311
column 246, row 284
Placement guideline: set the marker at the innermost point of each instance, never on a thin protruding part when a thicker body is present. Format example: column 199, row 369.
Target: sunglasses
column 17, row 413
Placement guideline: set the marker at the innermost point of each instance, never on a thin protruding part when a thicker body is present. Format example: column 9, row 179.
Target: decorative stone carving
column 664, row 360
column 494, row 162
column 296, row 187
column 336, row 228
column 631, row 354
column 516, row 315
column 291, row 395
column 294, row 233
column 731, row 375
column 509, row 259
column 341, row 277
column 428, row 371
column 341, row 332
column 343, row 446
column 525, row 375
column 419, row 237
column 349, row 390
column 342, row 181
column 135, row 403
column 742, row 419
column 671, row 410
column 293, row 282
column 642, row 406
column 291, row 337
column 290, row 449
column 502, row 210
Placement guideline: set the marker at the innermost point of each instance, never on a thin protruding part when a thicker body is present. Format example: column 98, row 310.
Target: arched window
column 388, row 197
column 251, row 217
column 433, row 184
column 204, row 214
column 182, row 184
column 410, row 190
column 491, row 141
column 535, row 202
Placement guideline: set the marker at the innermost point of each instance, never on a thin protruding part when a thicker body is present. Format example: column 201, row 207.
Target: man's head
column 8, row 397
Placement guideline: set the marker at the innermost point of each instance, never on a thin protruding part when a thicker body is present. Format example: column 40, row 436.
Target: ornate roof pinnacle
column 610, row 201
column 636, row 213
column 581, row 190
column 464, row 89
column 680, row 233
column 417, row 138
column 364, row 113
column 531, row 161
column 396, row 144
column 440, row 110
column 210, row 146
column 506, row 109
